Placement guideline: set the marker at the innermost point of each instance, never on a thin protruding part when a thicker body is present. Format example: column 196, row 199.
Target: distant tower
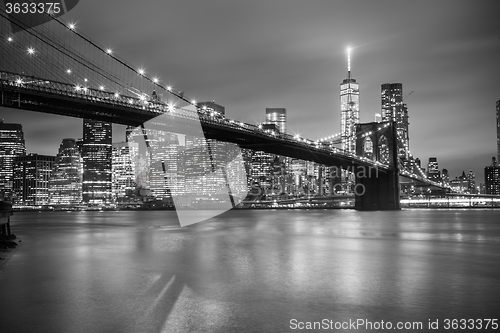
column 11, row 145
column 393, row 108
column 492, row 177
column 349, row 109
column 498, row 130
column 96, row 155
column 31, row 179
column 65, row 184
column 277, row 116
column 433, row 169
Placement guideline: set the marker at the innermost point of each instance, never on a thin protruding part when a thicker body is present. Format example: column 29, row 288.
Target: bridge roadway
column 40, row 95
column 34, row 94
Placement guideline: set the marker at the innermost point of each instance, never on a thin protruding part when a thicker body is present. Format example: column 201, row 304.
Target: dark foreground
column 250, row 271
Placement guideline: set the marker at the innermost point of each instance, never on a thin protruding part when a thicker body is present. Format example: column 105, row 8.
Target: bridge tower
column 377, row 190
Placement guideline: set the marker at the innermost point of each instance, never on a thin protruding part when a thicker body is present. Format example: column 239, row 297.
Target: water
column 248, row 271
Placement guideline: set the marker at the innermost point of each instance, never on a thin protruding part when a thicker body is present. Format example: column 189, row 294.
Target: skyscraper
column 96, row 154
column 498, row 130
column 277, row 116
column 212, row 106
column 471, row 182
column 123, row 171
column 433, row 170
column 445, row 177
column 65, row 185
column 202, row 158
column 11, row 145
column 349, row 109
column 492, row 178
column 167, row 172
column 31, row 179
column 394, row 109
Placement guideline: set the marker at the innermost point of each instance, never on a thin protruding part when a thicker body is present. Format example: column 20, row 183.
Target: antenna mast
column 348, row 62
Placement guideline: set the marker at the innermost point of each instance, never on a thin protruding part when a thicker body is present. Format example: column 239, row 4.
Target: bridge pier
column 380, row 192
column 377, row 189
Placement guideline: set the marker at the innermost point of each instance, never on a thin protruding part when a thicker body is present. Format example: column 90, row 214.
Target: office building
column 433, row 170
column 212, row 106
column 11, row 145
column 277, row 116
column 65, row 184
column 445, row 177
column 167, row 169
column 349, row 109
column 492, row 178
column 32, row 174
column 394, row 109
column 123, row 171
column 471, row 182
column 498, row 130
column 262, row 170
column 205, row 168
column 96, row 155
column 460, row 184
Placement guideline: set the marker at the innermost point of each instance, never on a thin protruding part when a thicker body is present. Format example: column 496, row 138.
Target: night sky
column 249, row 55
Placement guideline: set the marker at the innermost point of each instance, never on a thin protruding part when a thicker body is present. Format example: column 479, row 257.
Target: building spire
column 348, row 62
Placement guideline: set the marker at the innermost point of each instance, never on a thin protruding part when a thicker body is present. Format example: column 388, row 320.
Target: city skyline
column 269, row 59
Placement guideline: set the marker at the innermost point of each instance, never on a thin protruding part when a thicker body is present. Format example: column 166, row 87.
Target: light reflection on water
column 248, row 271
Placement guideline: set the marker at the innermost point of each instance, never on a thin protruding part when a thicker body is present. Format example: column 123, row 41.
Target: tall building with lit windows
column 65, row 184
column 32, row 174
column 11, row 145
column 123, row 171
column 433, row 172
column 96, row 155
column 277, row 116
column 349, row 109
column 167, row 172
column 394, row 109
column 492, row 178
column 498, row 130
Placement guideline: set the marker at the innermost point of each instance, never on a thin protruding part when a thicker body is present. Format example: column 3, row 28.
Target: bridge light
column 10, row 39
column 85, row 80
column 117, row 95
column 77, row 87
column 109, row 51
column 170, row 107
column 193, row 102
column 68, row 71
column 169, row 88
column 155, row 80
column 84, row 89
column 141, row 71
column 31, row 50
column 19, row 81
column 71, row 26
column 101, row 87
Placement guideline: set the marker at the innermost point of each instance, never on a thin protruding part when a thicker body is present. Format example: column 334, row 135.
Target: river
column 249, row 271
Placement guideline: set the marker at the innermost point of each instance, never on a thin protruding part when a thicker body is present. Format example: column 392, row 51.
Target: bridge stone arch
column 380, row 190
column 368, row 148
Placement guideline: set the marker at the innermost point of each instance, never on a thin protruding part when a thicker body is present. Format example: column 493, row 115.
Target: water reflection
column 141, row 272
